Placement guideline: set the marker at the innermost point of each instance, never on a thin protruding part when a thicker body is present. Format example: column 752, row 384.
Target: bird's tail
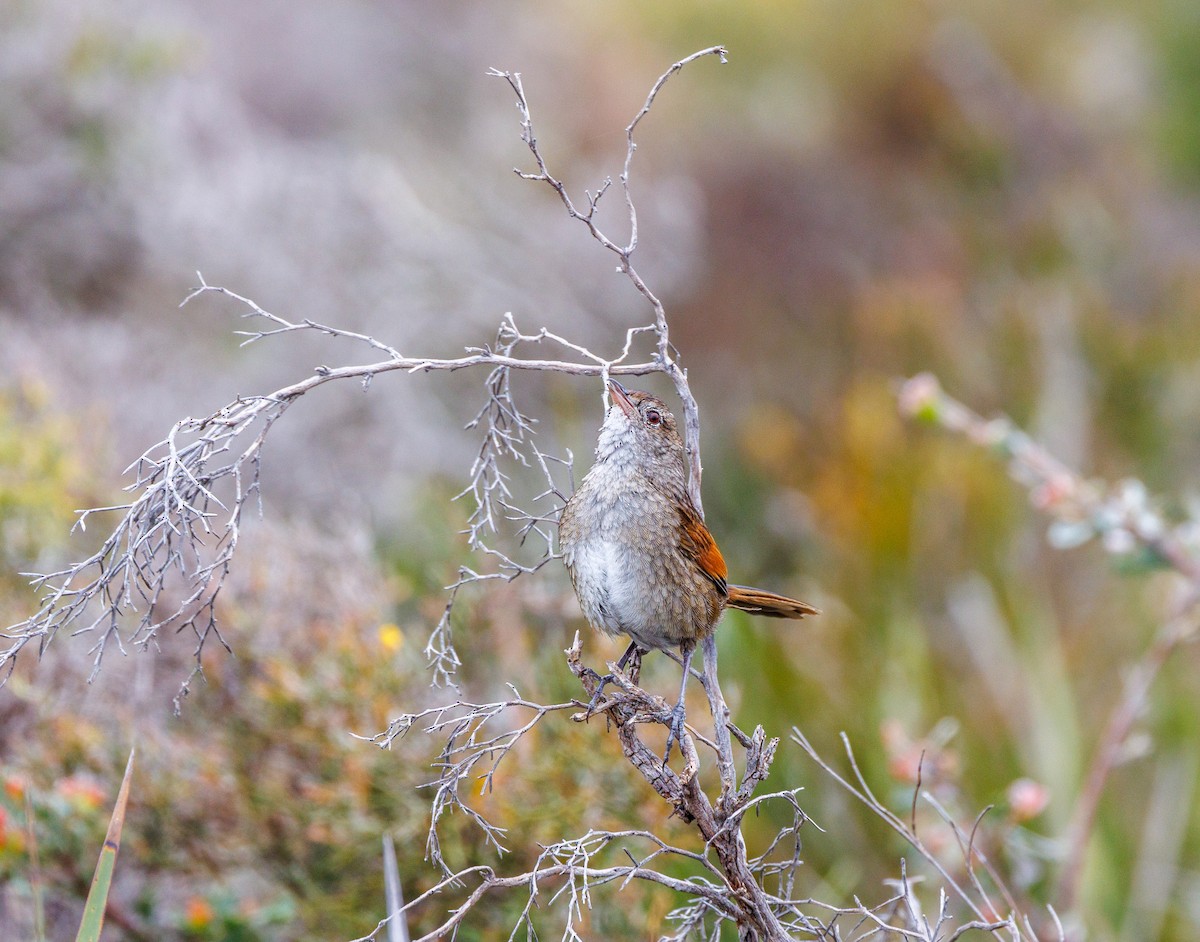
column 758, row 602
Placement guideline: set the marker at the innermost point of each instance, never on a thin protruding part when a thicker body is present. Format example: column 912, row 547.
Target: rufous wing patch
column 696, row 543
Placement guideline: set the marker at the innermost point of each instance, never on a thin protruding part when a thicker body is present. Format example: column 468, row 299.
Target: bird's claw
column 676, row 730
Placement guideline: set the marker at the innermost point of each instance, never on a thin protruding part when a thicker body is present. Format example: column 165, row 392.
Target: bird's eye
column 654, row 417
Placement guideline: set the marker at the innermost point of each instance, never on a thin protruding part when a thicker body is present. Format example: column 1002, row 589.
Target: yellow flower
column 391, row 637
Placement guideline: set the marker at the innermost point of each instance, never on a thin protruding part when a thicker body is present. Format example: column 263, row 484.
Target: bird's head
column 639, row 429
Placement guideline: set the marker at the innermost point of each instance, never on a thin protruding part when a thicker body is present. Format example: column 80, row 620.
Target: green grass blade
column 97, row 900
column 398, row 925
column 35, row 871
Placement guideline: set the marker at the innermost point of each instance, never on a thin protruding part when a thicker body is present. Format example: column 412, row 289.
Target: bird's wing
column 697, row 544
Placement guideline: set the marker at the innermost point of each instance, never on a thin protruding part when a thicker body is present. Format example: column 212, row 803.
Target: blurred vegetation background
column 1007, row 195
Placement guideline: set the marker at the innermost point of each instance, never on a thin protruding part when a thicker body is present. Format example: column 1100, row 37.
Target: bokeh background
column 1003, row 194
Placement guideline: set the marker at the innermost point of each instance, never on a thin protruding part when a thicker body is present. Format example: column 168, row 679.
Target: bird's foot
column 634, row 670
column 676, row 730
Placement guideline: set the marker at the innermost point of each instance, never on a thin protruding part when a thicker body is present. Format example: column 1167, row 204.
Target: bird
column 639, row 555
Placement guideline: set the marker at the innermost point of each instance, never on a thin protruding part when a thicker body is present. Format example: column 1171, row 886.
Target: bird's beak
column 621, row 397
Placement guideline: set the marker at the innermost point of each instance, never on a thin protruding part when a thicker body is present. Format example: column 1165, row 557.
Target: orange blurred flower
column 81, row 792
column 926, row 759
column 1027, row 799
column 15, row 785
column 904, row 756
column 199, row 913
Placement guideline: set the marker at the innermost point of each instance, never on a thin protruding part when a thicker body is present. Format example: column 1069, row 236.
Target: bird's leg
column 635, row 665
column 679, row 714
column 608, row 678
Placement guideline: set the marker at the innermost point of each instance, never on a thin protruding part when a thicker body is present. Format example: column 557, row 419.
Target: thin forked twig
column 1126, row 522
column 664, row 360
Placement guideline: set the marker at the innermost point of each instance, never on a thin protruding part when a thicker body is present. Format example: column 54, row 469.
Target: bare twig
column 1122, row 516
column 664, row 360
column 1126, row 522
column 568, row 863
column 976, row 902
column 472, row 750
column 1135, row 694
column 183, row 525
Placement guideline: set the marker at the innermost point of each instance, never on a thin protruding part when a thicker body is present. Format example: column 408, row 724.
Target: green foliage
column 221, row 916
column 1178, row 37
column 42, row 479
column 69, row 819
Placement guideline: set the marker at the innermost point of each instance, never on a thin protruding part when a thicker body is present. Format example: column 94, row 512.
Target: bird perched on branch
column 640, row 558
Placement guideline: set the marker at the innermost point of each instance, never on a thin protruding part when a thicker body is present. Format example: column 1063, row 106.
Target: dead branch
column 1126, row 521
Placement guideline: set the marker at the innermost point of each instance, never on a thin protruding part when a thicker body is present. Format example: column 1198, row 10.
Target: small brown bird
column 640, row 558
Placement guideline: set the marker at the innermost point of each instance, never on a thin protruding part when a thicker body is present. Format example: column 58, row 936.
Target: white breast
column 606, row 585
